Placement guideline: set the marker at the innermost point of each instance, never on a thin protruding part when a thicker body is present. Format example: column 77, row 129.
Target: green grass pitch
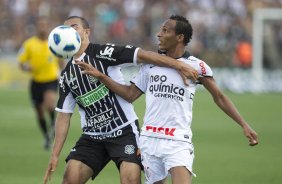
column 222, row 152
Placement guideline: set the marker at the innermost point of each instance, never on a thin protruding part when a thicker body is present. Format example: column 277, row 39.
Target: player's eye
column 75, row 26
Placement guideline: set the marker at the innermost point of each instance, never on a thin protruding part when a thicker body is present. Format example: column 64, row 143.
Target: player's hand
column 26, row 67
column 187, row 72
column 88, row 69
column 251, row 135
column 50, row 169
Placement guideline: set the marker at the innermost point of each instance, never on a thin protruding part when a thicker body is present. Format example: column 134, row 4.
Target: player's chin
column 161, row 47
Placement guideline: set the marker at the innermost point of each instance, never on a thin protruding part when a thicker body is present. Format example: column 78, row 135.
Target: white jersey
column 169, row 101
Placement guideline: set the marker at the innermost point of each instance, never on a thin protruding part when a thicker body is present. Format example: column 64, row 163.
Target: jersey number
column 108, row 51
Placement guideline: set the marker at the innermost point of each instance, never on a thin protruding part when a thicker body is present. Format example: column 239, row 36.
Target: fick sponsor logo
column 203, row 69
column 161, row 130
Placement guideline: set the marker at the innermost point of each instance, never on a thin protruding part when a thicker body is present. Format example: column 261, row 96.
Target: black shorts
column 38, row 89
column 96, row 152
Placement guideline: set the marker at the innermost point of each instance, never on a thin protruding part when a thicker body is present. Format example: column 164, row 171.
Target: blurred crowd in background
column 222, row 33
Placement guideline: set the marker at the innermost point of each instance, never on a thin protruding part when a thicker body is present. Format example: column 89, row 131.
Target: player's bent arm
column 229, row 108
column 61, row 130
column 150, row 57
column 221, row 100
column 129, row 93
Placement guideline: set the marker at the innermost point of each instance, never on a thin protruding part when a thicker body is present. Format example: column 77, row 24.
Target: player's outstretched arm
column 228, row 107
column 129, row 93
column 61, row 130
column 186, row 71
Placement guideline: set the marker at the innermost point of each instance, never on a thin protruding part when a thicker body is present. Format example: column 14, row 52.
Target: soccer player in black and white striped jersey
column 109, row 123
column 166, row 137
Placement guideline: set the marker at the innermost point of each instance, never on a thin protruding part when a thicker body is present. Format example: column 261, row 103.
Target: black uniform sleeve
column 116, row 55
column 66, row 103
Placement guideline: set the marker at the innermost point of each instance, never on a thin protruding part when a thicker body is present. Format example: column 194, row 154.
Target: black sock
column 43, row 127
column 52, row 116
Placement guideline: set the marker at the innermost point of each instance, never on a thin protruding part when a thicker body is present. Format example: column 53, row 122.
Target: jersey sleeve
column 204, row 70
column 117, row 55
column 142, row 78
column 23, row 54
column 66, row 102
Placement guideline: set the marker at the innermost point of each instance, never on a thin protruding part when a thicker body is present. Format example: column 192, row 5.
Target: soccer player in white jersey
column 166, row 136
column 108, row 122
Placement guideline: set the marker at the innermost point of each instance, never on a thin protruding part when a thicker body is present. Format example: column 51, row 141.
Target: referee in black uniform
column 109, row 123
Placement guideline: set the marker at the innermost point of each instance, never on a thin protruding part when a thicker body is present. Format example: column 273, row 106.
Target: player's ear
column 180, row 37
column 87, row 32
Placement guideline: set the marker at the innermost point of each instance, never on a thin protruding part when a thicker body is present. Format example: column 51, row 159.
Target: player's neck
column 175, row 52
column 82, row 49
column 42, row 36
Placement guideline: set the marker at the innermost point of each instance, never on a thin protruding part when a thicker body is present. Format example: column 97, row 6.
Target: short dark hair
column 183, row 26
column 84, row 22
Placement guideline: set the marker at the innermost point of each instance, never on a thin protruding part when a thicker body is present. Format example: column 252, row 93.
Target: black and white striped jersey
column 101, row 110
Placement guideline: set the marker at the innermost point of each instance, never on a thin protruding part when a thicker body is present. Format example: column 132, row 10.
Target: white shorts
column 160, row 155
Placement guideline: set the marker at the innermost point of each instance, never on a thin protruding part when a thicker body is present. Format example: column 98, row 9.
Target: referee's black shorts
column 38, row 89
column 96, row 151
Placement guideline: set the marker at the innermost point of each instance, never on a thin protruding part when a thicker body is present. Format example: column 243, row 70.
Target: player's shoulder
column 28, row 45
column 92, row 47
column 109, row 48
column 146, row 66
column 30, row 41
column 99, row 48
column 68, row 66
column 191, row 59
column 102, row 46
column 201, row 66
